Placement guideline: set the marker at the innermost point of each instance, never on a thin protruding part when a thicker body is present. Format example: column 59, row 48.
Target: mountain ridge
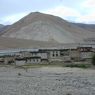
column 89, row 27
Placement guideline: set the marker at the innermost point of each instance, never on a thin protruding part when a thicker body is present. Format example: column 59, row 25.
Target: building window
column 56, row 51
column 56, row 54
column 61, row 54
column 53, row 55
column 33, row 60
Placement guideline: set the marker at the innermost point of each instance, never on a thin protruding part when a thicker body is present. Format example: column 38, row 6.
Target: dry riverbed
column 47, row 81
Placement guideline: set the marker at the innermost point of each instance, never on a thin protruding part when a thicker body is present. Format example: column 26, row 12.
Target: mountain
column 1, row 26
column 4, row 28
column 89, row 27
column 44, row 27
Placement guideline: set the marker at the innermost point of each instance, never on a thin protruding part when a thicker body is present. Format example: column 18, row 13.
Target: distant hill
column 89, row 27
column 1, row 26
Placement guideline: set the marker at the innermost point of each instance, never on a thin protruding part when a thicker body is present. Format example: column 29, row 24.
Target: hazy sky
column 72, row 10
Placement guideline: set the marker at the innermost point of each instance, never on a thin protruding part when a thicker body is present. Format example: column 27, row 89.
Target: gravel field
column 47, row 81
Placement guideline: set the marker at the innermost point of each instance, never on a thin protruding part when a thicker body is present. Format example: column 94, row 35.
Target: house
column 39, row 53
column 20, row 61
column 34, row 60
column 1, row 60
column 24, row 54
column 53, row 54
column 65, row 55
column 74, row 54
column 9, row 60
column 86, row 53
column 27, row 60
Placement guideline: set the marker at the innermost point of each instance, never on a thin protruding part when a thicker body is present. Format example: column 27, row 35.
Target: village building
column 45, row 56
column 86, row 53
column 1, row 61
column 42, row 54
column 65, row 55
column 32, row 57
column 53, row 54
column 27, row 60
column 74, row 54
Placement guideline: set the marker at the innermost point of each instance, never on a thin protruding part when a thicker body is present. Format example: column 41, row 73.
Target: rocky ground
column 47, row 81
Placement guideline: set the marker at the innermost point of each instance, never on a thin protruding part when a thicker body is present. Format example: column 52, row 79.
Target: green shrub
column 93, row 60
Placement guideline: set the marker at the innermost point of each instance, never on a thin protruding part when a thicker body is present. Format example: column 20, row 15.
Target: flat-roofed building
column 85, row 53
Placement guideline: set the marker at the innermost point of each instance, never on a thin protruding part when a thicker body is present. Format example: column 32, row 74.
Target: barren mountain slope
column 7, row 43
column 43, row 27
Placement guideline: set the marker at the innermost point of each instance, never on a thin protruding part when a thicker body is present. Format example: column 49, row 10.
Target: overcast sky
column 73, row 10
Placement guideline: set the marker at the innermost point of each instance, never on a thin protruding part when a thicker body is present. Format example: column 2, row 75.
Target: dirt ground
column 47, row 81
